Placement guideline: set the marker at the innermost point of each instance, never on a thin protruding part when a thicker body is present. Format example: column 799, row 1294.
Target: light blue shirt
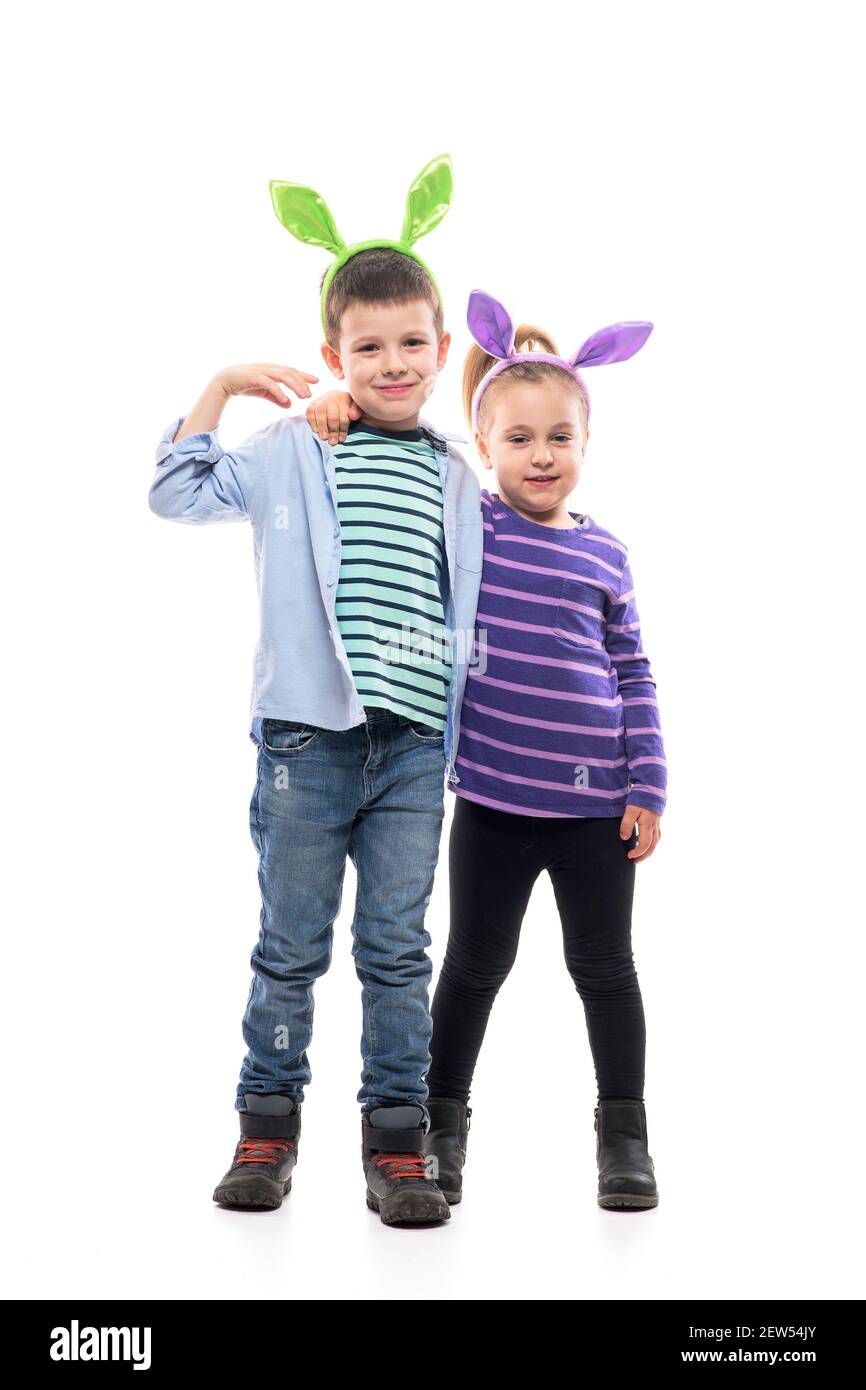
column 282, row 478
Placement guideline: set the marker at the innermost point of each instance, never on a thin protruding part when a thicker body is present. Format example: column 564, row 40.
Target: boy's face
column 389, row 359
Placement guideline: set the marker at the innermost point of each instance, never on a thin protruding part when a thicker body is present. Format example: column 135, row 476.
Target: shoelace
column 404, row 1165
column 261, row 1150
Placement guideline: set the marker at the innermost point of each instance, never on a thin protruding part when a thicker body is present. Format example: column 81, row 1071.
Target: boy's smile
column 389, row 359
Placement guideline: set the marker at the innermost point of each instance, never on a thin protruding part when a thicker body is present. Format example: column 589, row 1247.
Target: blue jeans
column 375, row 793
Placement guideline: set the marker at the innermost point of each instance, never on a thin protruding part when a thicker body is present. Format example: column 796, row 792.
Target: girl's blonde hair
column 527, row 338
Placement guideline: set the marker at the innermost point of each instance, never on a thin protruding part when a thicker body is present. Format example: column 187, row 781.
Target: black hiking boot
column 626, row 1175
column 445, row 1141
column 261, row 1172
column 398, row 1187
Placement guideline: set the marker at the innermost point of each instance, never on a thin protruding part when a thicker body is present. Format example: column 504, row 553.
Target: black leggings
column 494, row 859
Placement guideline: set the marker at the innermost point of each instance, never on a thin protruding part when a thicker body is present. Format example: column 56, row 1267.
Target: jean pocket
column 287, row 735
column 424, row 733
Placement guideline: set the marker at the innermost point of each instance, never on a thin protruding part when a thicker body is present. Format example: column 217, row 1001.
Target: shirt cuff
column 205, row 443
column 650, row 802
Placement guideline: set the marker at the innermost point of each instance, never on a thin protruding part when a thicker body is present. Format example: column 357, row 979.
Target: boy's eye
column 372, row 347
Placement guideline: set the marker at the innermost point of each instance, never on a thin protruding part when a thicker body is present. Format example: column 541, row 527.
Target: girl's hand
column 330, row 413
column 264, row 379
column 649, row 830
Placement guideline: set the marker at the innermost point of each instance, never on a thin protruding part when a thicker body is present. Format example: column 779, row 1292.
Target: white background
column 694, row 165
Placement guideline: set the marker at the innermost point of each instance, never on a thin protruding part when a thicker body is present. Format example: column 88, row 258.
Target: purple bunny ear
column 490, row 324
column 615, row 343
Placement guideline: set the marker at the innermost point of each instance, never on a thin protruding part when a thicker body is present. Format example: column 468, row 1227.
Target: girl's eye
column 521, row 438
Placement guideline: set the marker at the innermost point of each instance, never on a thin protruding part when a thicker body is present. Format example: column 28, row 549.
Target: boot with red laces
column 398, row 1186
column 261, row 1171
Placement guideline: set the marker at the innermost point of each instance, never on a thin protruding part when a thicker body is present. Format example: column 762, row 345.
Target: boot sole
column 422, row 1212
column 240, row 1199
column 627, row 1201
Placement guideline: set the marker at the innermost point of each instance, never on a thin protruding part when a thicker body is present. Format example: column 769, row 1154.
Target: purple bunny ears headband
column 491, row 327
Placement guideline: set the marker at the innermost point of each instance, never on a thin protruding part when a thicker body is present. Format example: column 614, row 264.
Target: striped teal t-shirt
column 389, row 604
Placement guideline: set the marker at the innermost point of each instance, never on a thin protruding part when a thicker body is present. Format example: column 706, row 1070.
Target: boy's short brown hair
column 379, row 275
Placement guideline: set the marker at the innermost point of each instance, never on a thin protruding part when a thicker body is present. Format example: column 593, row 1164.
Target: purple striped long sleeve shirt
column 559, row 715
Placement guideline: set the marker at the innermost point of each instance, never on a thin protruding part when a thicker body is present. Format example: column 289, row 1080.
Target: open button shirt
column 282, row 478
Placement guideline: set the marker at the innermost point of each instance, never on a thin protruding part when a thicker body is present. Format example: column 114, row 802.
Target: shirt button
column 336, row 530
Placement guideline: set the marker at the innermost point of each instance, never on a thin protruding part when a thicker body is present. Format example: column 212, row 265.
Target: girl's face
column 534, row 443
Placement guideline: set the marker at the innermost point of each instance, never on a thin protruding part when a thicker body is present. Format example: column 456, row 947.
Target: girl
column 561, row 764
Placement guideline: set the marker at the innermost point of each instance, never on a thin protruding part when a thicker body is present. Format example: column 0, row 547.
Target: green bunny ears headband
column 305, row 214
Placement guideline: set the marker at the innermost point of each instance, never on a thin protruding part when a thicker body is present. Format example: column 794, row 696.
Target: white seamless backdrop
column 692, row 165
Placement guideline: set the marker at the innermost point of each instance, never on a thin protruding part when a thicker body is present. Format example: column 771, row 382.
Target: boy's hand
column 649, row 830
column 264, row 379
column 330, row 413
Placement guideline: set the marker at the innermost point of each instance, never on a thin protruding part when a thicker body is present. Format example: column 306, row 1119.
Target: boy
column 354, row 545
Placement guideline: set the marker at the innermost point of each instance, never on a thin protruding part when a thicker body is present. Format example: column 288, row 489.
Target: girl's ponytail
column 527, row 338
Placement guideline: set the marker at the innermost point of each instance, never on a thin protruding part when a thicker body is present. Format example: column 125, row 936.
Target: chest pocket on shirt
column 580, row 612
column 470, row 545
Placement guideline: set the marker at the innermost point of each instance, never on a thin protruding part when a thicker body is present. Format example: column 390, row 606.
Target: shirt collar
column 441, row 434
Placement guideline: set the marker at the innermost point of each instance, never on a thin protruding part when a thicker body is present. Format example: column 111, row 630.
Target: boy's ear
column 332, row 361
column 442, row 351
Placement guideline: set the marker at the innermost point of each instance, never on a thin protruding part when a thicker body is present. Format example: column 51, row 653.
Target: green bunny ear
column 305, row 214
column 429, row 199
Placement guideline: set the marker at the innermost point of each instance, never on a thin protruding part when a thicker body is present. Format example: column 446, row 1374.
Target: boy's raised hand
column 330, row 413
column 264, row 379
